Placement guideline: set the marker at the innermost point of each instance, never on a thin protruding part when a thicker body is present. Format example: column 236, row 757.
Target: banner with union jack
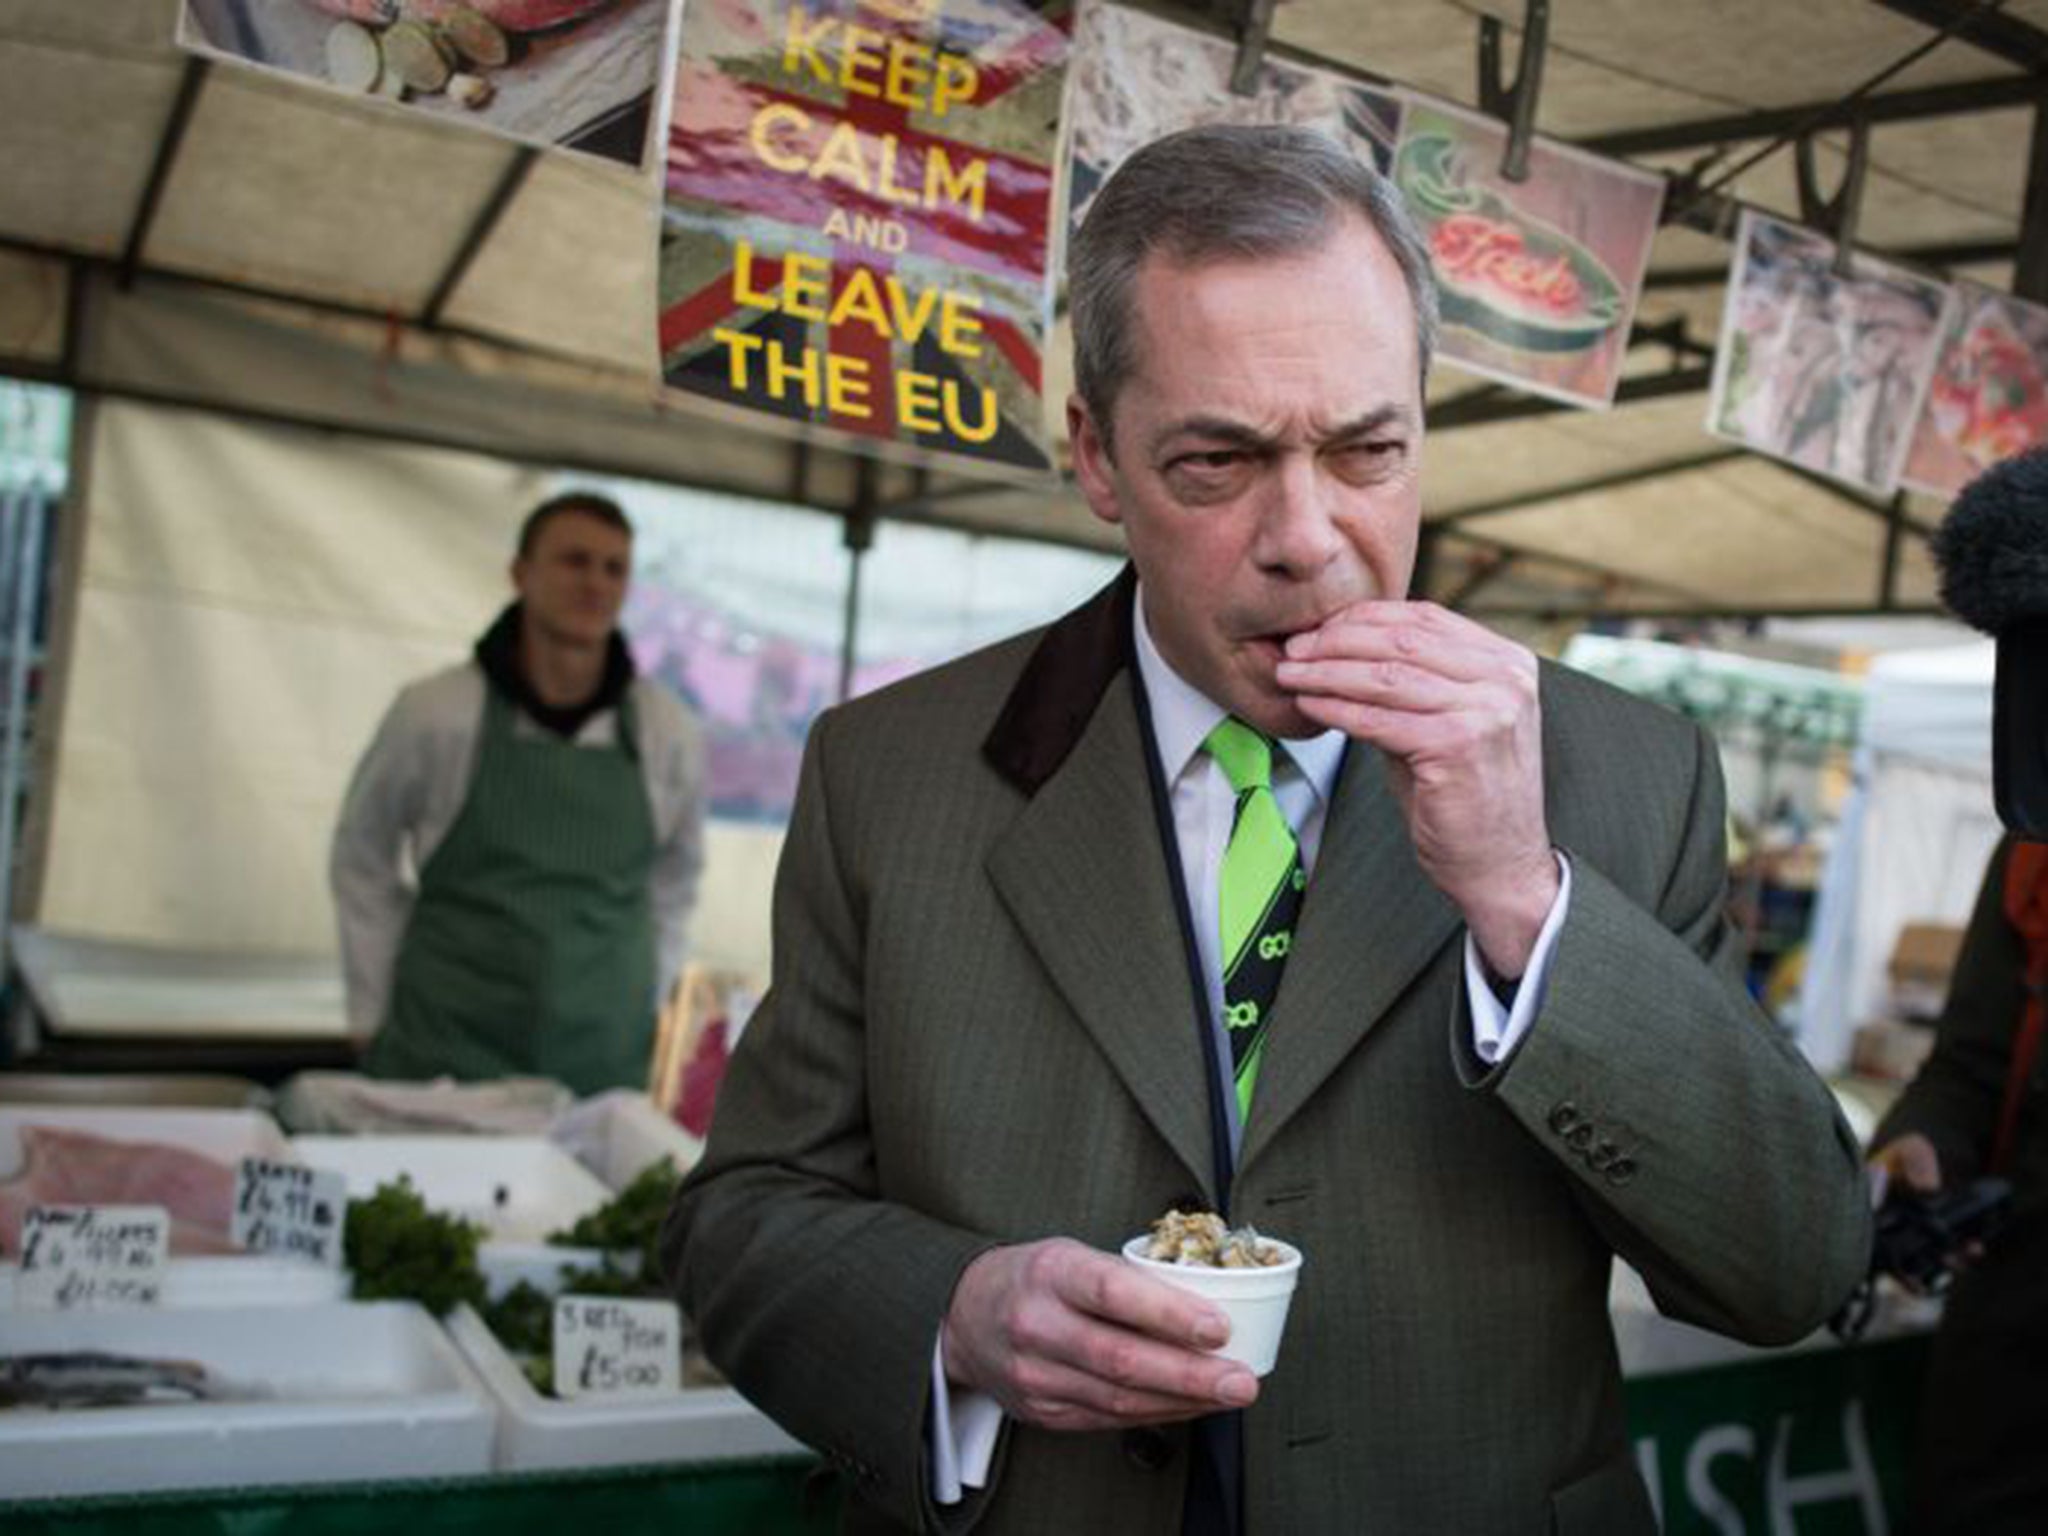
column 856, row 215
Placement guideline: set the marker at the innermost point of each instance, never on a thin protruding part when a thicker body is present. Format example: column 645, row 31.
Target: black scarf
column 497, row 652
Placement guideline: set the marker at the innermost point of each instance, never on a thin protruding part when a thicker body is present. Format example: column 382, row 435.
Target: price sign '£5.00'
column 608, row 1346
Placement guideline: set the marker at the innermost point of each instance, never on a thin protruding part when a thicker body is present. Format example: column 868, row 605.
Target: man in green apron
column 520, row 846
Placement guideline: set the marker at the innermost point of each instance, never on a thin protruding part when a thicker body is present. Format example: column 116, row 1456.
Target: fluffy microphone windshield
column 1993, row 545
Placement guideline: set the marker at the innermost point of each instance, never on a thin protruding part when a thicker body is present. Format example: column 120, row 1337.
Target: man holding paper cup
column 1252, row 887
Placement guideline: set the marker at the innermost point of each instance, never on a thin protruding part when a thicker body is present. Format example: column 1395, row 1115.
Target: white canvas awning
column 182, row 231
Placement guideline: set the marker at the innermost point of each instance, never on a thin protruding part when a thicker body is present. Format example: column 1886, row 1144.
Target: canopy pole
column 480, row 228
column 21, row 565
column 167, row 149
column 2030, row 261
column 858, row 534
column 1894, row 538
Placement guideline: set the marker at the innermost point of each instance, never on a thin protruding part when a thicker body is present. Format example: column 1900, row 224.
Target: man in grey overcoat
column 1498, row 1037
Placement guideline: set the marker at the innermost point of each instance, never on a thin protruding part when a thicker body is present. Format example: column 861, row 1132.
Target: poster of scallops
column 856, row 216
column 1988, row 399
column 1138, row 78
column 570, row 74
column 1538, row 278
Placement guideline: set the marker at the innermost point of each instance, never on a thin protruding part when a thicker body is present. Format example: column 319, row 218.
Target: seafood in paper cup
column 1248, row 1276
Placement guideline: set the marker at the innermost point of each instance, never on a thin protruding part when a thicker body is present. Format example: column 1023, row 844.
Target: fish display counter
column 253, row 1371
column 238, row 1406
column 161, row 1398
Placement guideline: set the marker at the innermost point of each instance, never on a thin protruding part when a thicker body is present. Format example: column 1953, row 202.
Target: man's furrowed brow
column 1229, row 432
column 1378, row 419
column 1213, row 429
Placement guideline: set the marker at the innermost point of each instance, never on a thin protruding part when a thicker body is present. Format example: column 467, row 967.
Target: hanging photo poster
column 1538, row 278
column 856, row 215
column 1137, row 78
column 1988, row 398
column 1818, row 369
column 571, row 74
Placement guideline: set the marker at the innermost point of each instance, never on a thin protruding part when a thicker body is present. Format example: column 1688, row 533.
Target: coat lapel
column 1083, row 871
column 1084, row 876
column 1370, row 923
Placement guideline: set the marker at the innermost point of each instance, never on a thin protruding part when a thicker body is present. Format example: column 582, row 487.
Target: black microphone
column 1992, row 550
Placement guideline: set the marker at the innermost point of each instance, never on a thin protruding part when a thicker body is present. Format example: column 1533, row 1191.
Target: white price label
column 289, row 1208
column 94, row 1255
column 606, row 1346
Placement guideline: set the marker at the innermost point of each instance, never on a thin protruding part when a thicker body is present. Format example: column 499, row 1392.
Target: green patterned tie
column 1260, row 885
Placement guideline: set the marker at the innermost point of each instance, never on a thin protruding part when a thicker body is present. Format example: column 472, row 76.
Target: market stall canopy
column 193, row 233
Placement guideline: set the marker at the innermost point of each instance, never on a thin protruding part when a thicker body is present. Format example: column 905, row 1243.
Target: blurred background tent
column 1914, row 834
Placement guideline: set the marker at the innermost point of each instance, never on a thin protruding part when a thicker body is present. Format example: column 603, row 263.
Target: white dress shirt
column 964, row 1423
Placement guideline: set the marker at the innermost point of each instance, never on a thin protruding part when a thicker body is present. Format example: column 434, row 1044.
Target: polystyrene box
column 518, row 1188
column 618, row 1135
column 338, row 1393
column 535, row 1433
column 225, row 1135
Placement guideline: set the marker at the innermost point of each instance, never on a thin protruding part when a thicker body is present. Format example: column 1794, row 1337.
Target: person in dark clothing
column 1977, row 1107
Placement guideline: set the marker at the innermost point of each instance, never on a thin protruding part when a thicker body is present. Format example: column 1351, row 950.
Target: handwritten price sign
column 288, row 1208
column 94, row 1255
column 608, row 1347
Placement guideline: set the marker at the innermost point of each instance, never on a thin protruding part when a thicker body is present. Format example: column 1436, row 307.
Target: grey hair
column 1215, row 193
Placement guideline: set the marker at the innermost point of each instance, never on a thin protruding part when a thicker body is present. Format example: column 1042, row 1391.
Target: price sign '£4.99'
column 607, row 1346
column 94, row 1255
column 289, row 1208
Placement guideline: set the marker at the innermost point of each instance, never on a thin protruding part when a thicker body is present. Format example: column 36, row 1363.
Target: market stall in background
column 302, row 309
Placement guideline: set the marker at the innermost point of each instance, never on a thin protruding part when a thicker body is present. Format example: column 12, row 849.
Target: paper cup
column 1255, row 1300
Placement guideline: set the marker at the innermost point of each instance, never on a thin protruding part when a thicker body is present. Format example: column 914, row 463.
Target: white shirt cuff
column 1496, row 1030
column 963, row 1428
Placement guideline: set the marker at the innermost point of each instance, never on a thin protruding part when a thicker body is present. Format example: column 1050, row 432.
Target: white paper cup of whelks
column 1255, row 1300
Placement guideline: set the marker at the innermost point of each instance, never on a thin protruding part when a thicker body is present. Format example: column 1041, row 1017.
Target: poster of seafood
column 1538, row 278
column 1988, row 398
column 570, row 74
column 856, row 217
column 1821, row 370
column 1137, row 78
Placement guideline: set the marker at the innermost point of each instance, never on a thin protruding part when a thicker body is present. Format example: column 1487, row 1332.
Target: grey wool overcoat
column 982, row 1029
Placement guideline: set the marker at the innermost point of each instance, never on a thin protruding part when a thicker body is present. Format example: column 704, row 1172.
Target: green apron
column 531, row 944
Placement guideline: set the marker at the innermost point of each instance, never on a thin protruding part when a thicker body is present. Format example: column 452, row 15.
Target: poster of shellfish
column 1820, row 369
column 571, row 74
column 1538, row 278
column 1137, row 78
column 1988, row 399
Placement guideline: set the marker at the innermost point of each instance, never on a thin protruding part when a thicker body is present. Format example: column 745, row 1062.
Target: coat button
column 1148, row 1448
column 1564, row 1117
column 1621, row 1170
